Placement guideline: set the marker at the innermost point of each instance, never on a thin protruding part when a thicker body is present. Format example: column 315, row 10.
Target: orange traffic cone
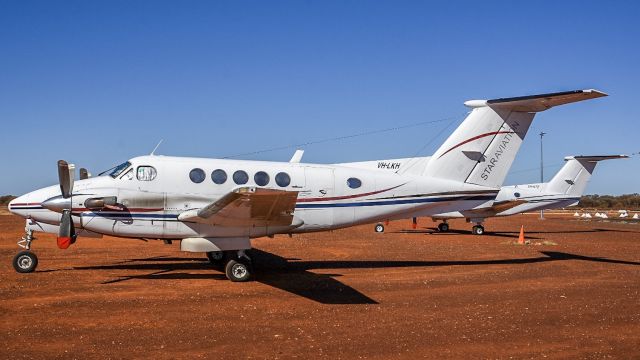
column 521, row 237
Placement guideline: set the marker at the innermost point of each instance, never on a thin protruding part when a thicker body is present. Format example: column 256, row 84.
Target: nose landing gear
column 25, row 261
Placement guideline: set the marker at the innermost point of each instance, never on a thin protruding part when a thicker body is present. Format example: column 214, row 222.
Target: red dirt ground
column 343, row 294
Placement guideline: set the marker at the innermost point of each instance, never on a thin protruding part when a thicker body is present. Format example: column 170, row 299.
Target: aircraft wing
column 496, row 208
column 247, row 206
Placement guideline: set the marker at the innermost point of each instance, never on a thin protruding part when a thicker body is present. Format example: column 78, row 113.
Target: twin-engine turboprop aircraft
column 216, row 206
column 565, row 189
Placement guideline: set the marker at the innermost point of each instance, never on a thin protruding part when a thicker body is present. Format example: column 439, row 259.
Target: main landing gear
column 477, row 229
column 443, row 227
column 237, row 265
column 25, row 261
column 379, row 228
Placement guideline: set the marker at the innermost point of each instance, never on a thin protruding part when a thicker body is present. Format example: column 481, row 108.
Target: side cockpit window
column 146, row 173
column 128, row 175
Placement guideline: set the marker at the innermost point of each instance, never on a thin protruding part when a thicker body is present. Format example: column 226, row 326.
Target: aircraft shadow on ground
column 507, row 234
column 296, row 276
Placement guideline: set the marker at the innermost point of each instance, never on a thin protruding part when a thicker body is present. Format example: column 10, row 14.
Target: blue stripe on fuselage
column 394, row 202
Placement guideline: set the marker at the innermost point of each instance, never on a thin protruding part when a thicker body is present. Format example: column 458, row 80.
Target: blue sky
column 97, row 82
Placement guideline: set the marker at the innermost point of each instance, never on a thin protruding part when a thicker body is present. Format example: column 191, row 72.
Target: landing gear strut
column 25, row 261
column 215, row 257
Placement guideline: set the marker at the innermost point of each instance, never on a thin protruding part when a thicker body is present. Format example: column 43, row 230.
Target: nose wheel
column 25, row 261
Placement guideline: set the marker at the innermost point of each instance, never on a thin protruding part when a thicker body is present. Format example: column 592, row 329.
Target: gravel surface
column 574, row 292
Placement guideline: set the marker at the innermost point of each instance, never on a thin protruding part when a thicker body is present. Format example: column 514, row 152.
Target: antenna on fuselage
column 156, row 148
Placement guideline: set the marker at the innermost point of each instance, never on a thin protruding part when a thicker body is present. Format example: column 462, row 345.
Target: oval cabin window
column 240, row 177
column 261, row 178
column 197, row 175
column 283, row 179
column 219, row 176
column 354, row 183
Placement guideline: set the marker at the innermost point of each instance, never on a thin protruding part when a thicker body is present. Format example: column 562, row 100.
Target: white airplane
column 217, row 205
column 565, row 189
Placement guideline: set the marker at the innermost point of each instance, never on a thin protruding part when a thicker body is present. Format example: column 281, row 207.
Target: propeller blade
column 66, row 175
column 67, row 233
column 84, row 174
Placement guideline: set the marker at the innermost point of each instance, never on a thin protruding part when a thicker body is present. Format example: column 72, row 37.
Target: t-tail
column 573, row 177
column 483, row 147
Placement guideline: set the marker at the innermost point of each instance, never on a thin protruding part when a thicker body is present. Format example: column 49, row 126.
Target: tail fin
column 574, row 176
column 481, row 150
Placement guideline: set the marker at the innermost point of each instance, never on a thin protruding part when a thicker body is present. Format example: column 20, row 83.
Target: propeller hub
column 57, row 204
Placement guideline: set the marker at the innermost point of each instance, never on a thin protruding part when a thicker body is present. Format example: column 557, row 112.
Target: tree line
column 626, row 202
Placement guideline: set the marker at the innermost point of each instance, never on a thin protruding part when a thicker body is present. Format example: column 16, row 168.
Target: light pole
column 542, row 133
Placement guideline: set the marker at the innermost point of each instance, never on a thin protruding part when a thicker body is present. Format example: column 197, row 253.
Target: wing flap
column 493, row 210
column 246, row 206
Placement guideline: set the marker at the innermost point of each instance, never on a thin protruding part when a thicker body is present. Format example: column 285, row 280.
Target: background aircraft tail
column 482, row 149
column 573, row 177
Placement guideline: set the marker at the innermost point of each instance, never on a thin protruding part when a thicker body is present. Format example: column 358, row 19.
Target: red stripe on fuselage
column 346, row 196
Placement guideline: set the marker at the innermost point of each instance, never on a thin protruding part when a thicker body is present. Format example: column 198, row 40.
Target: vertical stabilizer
column 482, row 149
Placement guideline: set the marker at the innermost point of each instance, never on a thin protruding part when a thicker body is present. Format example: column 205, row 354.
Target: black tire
column 478, row 230
column 25, row 262
column 379, row 228
column 238, row 270
column 443, row 227
column 215, row 257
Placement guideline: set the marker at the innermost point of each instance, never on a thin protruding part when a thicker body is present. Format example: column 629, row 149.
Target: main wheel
column 25, row 262
column 443, row 227
column 215, row 257
column 379, row 228
column 478, row 230
column 238, row 270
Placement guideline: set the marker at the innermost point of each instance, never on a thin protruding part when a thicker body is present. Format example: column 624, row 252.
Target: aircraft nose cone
column 12, row 205
column 57, row 204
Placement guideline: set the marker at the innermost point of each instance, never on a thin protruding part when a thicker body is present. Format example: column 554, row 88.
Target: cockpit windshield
column 116, row 170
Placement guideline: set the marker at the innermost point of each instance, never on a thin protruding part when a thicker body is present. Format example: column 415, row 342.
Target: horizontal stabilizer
column 595, row 158
column 537, row 103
